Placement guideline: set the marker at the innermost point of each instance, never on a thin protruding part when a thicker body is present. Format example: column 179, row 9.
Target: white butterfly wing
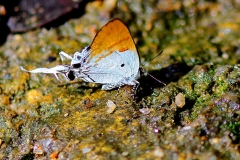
column 112, row 69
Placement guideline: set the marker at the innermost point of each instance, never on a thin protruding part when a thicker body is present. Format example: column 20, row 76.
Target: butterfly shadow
column 166, row 75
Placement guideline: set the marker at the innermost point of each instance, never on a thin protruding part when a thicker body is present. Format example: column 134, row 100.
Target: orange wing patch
column 114, row 36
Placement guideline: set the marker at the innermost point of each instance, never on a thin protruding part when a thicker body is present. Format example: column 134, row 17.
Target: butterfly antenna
column 149, row 73
column 153, row 58
column 156, row 79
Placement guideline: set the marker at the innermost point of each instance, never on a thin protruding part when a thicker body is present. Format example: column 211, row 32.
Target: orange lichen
column 34, row 96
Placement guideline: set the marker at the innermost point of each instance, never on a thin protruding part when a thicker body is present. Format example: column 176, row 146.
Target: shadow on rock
column 166, row 75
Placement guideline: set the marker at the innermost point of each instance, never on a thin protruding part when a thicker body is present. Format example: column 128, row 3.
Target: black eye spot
column 88, row 48
column 51, row 59
column 77, row 65
column 122, row 65
column 71, row 75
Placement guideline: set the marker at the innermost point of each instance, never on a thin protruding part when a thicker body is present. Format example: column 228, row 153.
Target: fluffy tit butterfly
column 112, row 59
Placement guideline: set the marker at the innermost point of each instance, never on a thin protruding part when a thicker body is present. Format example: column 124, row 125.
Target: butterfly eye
column 71, row 75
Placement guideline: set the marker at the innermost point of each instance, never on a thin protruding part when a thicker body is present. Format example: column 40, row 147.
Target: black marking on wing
column 77, row 65
column 126, row 61
column 87, row 75
column 88, row 48
column 71, row 75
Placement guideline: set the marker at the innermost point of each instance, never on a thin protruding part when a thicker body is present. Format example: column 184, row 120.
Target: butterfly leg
column 136, row 85
column 134, row 89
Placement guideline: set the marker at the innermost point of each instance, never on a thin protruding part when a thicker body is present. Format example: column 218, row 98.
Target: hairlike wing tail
column 59, row 69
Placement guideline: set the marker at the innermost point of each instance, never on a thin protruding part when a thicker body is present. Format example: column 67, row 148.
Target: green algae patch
column 42, row 118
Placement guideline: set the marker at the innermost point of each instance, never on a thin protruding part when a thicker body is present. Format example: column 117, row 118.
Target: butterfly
column 111, row 60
